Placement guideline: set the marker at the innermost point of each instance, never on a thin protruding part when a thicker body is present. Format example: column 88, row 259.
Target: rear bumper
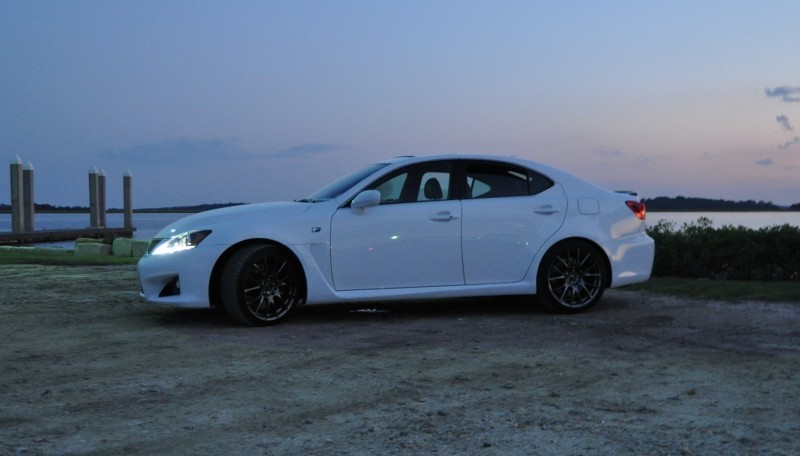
column 631, row 259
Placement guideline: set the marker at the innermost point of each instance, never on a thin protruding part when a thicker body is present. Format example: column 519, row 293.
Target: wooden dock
column 32, row 237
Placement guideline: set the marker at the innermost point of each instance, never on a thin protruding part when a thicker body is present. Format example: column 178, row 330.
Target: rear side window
column 499, row 180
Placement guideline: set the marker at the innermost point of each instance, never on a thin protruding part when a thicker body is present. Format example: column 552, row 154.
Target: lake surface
column 147, row 225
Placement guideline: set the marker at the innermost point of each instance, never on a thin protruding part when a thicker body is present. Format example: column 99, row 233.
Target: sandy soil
column 88, row 369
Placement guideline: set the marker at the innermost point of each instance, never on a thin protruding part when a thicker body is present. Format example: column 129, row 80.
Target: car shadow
column 476, row 323
column 368, row 311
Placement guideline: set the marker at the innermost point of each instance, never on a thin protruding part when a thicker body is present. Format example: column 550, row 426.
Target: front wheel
column 261, row 285
column 572, row 277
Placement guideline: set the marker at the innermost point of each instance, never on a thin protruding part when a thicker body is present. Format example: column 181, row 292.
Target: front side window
column 415, row 183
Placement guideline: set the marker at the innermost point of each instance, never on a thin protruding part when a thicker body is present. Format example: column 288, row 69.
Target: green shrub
column 698, row 249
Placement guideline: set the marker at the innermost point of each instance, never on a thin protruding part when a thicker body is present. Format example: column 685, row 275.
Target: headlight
column 180, row 242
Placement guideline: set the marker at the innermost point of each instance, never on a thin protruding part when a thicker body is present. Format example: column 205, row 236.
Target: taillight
column 638, row 208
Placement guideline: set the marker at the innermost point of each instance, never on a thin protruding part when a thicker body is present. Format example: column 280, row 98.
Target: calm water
column 147, row 225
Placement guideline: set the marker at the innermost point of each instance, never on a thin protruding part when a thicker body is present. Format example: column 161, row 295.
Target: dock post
column 17, row 219
column 101, row 199
column 127, row 197
column 94, row 221
column 28, row 203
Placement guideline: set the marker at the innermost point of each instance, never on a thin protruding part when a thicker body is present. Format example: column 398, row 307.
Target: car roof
column 408, row 159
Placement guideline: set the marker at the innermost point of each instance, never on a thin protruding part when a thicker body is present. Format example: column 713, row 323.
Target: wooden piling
column 17, row 215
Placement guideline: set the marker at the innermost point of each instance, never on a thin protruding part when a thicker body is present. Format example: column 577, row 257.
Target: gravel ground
column 89, row 369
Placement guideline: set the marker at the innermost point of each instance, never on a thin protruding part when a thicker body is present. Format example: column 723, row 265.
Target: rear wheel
column 572, row 276
column 261, row 285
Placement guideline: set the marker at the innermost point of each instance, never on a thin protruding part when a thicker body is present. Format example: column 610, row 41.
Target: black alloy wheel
column 572, row 276
column 261, row 285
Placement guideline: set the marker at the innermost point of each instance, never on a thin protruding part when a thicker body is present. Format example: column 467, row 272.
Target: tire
column 261, row 285
column 572, row 277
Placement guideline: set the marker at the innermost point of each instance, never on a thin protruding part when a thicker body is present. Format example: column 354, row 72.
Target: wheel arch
column 606, row 260
column 214, row 295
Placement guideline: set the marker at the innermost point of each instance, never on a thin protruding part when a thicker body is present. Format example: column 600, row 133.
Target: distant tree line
column 49, row 208
column 684, row 204
column 189, row 209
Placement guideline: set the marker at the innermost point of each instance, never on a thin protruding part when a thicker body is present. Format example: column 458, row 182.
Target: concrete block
column 88, row 241
column 122, row 247
column 16, row 249
column 139, row 248
column 92, row 249
column 51, row 251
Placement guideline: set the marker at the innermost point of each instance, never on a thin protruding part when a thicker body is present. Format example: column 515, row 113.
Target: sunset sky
column 266, row 100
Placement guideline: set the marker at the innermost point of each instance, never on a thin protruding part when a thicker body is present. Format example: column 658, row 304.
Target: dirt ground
column 89, row 369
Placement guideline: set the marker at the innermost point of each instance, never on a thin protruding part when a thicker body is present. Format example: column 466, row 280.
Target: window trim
column 457, row 188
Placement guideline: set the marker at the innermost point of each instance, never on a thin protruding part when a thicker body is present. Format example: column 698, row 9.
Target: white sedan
column 407, row 228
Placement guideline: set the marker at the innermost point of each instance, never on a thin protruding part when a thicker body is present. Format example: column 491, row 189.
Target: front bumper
column 180, row 279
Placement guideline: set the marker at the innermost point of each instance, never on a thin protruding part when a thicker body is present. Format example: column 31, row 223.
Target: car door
column 411, row 239
column 508, row 214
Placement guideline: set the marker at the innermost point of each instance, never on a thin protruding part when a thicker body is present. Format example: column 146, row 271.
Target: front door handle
column 444, row 216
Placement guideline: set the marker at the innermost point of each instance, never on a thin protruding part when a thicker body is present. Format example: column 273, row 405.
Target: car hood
column 239, row 215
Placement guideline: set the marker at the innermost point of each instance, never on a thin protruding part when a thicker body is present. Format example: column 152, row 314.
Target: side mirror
column 365, row 199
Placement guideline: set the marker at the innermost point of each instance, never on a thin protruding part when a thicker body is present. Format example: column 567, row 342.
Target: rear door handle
column 546, row 210
column 444, row 216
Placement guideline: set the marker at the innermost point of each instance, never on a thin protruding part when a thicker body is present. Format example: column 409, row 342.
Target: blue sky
column 261, row 101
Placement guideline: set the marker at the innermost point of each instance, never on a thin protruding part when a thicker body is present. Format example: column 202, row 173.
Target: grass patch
column 20, row 256
column 723, row 290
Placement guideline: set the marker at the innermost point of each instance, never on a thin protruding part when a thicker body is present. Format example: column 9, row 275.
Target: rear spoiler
column 627, row 192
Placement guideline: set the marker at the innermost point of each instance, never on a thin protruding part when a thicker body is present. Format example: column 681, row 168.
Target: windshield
column 335, row 189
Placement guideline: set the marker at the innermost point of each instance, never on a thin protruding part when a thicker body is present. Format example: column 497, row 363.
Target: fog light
column 173, row 288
